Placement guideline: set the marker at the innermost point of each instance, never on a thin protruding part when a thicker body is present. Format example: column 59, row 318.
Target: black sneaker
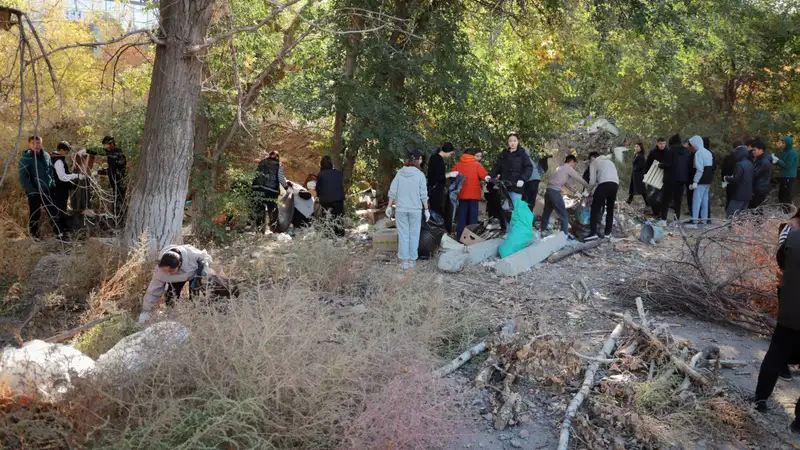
column 761, row 405
column 785, row 374
column 590, row 238
column 795, row 427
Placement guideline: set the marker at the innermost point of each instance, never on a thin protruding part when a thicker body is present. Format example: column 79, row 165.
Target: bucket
column 651, row 233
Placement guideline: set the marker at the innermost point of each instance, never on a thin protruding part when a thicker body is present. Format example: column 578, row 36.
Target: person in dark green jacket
column 36, row 177
column 788, row 165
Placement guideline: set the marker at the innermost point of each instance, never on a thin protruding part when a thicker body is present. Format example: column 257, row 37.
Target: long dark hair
column 641, row 146
column 325, row 163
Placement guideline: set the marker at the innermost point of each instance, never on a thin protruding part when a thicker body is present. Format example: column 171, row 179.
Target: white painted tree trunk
column 162, row 179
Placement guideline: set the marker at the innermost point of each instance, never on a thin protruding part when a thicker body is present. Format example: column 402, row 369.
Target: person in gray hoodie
column 741, row 182
column 177, row 264
column 701, row 184
column 408, row 203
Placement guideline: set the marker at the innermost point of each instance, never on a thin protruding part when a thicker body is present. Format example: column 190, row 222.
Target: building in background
column 130, row 14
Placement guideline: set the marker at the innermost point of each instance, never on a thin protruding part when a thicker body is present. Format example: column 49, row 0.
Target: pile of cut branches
column 726, row 273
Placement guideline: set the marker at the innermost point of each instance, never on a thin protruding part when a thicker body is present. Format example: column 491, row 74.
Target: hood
column 675, row 140
column 697, row 143
column 788, row 142
column 409, row 171
column 740, row 153
column 467, row 158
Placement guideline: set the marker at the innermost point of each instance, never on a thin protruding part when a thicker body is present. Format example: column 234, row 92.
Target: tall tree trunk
column 162, row 180
column 343, row 101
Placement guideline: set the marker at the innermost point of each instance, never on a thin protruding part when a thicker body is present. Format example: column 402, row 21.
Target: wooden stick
column 656, row 342
column 640, row 307
column 586, row 291
column 592, row 358
column 569, row 251
column 63, row 336
column 588, row 382
column 462, row 359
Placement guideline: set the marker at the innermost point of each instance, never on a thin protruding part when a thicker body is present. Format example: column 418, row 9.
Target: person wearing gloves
column 470, row 194
column 35, row 172
column 177, row 264
column 762, row 173
column 604, row 180
column 117, row 171
column 266, row 189
column 675, row 163
column 552, row 196
column 739, row 185
column 437, row 181
column 788, row 170
column 701, row 183
column 513, row 166
column 408, row 204
column 786, row 337
column 64, row 183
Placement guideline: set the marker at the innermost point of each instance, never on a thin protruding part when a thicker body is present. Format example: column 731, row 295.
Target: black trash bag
column 430, row 236
column 498, row 203
column 654, row 198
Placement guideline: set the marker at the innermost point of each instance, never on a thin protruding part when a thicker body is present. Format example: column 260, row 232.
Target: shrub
column 105, row 335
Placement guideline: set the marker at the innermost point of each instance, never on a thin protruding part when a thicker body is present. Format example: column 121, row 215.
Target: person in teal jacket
column 36, row 177
column 788, row 164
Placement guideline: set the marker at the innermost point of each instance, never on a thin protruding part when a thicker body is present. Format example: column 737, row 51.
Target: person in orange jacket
column 470, row 194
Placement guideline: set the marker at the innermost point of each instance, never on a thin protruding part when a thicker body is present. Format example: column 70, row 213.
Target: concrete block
column 531, row 255
column 455, row 260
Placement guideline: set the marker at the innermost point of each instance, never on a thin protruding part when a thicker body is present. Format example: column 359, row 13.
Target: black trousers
column 174, row 291
column 604, row 197
column 783, row 345
column 531, row 192
column 689, row 198
column 758, row 200
column 60, row 198
column 728, row 195
column 785, row 190
column 39, row 203
column 672, row 197
column 336, row 211
column 438, row 203
column 118, row 189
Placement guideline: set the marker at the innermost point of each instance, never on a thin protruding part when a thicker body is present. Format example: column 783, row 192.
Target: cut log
column 642, row 315
column 569, row 251
column 462, row 359
column 588, row 382
column 656, row 342
column 482, row 380
column 66, row 335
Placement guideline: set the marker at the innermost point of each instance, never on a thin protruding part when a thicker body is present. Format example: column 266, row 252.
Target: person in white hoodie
column 408, row 203
column 177, row 264
column 701, row 184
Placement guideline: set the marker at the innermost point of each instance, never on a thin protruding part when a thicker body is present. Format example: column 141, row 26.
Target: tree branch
column 151, row 36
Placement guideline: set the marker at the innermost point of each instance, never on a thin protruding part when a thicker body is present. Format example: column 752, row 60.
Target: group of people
column 689, row 170
column 51, row 185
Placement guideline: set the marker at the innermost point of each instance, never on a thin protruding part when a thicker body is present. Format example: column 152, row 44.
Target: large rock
column 455, row 260
column 42, row 368
column 139, row 350
column 531, row 255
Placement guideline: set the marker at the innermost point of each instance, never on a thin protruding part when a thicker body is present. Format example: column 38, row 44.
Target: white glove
column 520, row 183
column 692, row 186
column 144, row 317
column 585, row 194
column 452, row 174
column 389, row 211
column 724, row 184
column 427, row 215
column 774, row 159
column 487, row 179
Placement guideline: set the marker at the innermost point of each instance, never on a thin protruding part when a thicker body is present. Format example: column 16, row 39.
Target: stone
column 531, row 255
column 487, row 417
column 516, row 443
column 139, row 350
column 42, row 368
column 455, row 260
column 524, row 434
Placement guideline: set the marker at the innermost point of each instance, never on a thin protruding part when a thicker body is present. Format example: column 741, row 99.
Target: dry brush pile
column 282, row 366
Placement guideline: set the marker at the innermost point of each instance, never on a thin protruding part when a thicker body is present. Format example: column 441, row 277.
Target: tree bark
column 162, row 179
column 342, row 102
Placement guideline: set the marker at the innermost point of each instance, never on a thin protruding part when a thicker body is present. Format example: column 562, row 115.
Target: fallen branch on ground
column 66, row 335
column 569, row 251
column 588, row 382
column 462, row 359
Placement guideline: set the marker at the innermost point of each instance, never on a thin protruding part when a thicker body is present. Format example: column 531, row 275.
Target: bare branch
column 152, row 37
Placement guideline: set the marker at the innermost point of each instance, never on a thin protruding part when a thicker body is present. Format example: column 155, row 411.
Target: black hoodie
column 676, row 162
column 742, row 178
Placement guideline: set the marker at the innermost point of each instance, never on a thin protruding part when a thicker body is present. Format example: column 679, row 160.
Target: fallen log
column 569, row 251
column 656, row 342
column 462, row 359
column 588, row 382
column 66, row 335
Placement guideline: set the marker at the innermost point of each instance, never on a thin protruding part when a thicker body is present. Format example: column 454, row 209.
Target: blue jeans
column 553, row 200
column 514, row 198
column 467, row 214
column 700, row 202
column 408, row 228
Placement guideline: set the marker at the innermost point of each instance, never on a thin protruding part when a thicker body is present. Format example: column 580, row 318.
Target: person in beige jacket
column 177, row 264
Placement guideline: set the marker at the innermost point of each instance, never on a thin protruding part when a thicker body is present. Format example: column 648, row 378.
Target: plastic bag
column 584, row 212
column 521, row 233
column 430, row 236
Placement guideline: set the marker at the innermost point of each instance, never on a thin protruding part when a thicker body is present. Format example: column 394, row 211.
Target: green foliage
column 105, row 335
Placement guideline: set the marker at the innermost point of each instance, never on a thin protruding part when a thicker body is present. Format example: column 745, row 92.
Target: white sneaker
column 144, row 317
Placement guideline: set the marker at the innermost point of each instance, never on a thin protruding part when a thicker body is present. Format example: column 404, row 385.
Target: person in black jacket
column 786, row 337
column 65, row 182
column 266, row 189
column 656, row 154
column 676, row 175
column 729, row 163
column 762, row 176
column 117, row 171
column 330, row 191
column 739, row 184
column 637, row 176
column 437, row 181
column 513, row 166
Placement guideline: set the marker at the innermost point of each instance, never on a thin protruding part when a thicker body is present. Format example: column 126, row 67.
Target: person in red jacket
column 470, row 194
